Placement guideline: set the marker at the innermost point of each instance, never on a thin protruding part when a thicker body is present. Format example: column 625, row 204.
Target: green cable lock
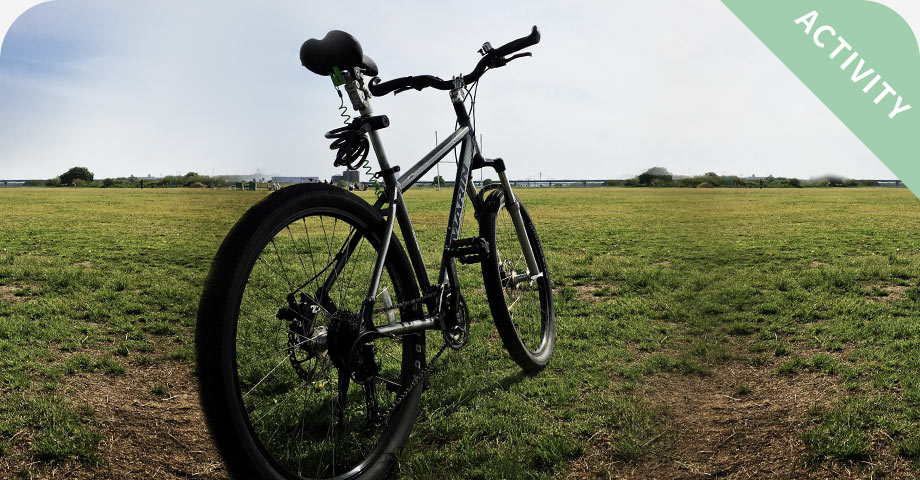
column 337, row 78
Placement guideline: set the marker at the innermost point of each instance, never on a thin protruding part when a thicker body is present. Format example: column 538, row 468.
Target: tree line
column 82, row 177
column 653, row 177
column 661, row 177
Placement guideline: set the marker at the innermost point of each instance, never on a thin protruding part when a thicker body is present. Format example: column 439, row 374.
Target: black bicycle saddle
column 336, row 49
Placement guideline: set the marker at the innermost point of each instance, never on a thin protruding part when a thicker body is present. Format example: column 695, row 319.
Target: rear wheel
column 521, row 307
column 287, row 389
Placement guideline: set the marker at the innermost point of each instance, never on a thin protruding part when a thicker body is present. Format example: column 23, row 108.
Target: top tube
column 428, row 161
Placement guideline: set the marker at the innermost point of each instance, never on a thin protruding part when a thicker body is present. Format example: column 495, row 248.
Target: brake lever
column 502, row 61
column 519, row 55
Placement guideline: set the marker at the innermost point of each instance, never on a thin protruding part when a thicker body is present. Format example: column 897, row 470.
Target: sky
column 615, row 87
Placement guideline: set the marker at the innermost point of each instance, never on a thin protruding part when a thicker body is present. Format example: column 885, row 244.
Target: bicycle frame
column 397, row 212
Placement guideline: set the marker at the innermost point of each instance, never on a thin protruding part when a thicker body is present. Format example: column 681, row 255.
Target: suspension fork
column 514, row 209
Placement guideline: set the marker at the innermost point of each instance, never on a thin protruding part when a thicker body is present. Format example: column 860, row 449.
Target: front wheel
column 287, row 388
column 522, row 307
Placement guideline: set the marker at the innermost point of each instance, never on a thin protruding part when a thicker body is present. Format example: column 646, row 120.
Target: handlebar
column 519, row 44
column 492, row 59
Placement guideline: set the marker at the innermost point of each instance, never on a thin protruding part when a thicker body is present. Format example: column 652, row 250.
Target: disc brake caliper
column 305, row 341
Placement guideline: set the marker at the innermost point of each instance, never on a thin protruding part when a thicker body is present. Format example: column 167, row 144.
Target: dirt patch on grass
column 17, row 293
column 887, row 293
column 6, row 293
column 819, row 263
column 151, row 422
column 149, row 434
column 739, row 422
column 594, row 293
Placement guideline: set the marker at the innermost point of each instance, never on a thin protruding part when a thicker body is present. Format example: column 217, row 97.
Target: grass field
column 701, row 334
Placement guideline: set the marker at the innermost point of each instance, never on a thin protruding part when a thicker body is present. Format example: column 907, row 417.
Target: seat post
column 361, row 101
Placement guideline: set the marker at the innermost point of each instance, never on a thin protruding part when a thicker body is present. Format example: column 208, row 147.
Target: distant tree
column 795, row 183
column 76, row 173
column 191, row 174
column 108, row 182
column 658, row 171
column 656, row 176
column 833, row 181
column 711, row 174
column 439, row 181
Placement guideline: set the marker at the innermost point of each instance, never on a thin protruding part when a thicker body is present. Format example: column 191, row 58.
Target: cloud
column 614, row 87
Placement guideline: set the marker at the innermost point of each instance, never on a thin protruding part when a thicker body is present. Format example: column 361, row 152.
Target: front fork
column 514, row 209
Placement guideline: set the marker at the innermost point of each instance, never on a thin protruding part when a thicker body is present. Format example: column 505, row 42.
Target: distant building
column 295, row 179
column 887, row 183
column 348, row 176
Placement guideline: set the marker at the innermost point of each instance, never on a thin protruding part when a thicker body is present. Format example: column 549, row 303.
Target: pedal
column 469, row 250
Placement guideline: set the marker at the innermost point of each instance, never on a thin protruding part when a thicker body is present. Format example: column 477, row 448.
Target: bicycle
column 311, row 346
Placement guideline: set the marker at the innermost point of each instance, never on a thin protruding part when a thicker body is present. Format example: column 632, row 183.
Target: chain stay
column 418, row 377
column 408, row 303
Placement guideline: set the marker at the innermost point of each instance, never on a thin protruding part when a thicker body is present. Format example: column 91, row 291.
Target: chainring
column 455, row 322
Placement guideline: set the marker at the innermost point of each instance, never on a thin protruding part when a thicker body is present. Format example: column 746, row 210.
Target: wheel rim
column 289, row 380
column 524, row 300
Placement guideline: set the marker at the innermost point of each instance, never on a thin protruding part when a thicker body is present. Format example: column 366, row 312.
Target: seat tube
column 361, row 102
column 514, row 208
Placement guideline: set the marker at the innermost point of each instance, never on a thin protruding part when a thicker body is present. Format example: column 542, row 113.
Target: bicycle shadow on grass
column 448, row 405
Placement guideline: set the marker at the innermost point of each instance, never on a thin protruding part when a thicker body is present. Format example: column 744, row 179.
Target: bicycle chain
column 408, row 303
column 385, row 418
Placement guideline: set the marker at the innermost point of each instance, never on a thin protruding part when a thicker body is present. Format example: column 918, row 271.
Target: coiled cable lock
column 351, row 140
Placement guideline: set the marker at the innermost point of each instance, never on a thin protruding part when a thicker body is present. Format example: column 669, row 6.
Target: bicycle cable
column 471, row 113
column 352, row 144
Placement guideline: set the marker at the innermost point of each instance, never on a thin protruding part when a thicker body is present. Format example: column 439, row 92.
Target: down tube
column 457, row 204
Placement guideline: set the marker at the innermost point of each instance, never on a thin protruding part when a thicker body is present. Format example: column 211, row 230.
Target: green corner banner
column 860, row 58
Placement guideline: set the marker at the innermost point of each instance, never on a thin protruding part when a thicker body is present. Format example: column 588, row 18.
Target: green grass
column 649, row 282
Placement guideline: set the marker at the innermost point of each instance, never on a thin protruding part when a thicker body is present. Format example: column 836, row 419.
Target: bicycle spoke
column 299, row 256
column 303, row 408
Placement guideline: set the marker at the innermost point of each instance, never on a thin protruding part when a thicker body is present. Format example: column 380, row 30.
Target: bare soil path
column 149, row 432
column 740, row 422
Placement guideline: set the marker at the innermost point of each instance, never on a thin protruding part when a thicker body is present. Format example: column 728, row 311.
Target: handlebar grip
column 519, row 44
column 379, row 89
column 493, row 59
column 417, row 82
